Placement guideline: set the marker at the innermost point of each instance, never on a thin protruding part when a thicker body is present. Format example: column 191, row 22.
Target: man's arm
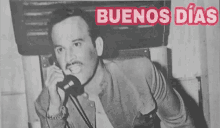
column 41, row 106
column 171, row 108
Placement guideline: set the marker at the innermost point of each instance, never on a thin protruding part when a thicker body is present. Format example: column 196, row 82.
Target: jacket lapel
column 119, row 103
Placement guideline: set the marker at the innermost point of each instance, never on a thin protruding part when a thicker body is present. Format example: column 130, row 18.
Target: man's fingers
column 50, row 70
column 56, row 80
column 56, row 77
column 62, row 94
column 51, row 73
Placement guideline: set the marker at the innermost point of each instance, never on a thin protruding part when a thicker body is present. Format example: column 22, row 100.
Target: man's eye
column 77, row 44
column 59, row 50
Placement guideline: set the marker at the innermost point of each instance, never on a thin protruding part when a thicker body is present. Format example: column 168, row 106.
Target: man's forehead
column 73, row 22
column 71, row 28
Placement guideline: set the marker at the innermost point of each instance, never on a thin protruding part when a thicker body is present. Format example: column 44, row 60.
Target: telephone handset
column 70, row 84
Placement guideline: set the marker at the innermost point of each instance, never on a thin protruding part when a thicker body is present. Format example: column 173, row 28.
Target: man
column 121, row 93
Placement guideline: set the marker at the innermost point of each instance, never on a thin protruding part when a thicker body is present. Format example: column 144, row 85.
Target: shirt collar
column 98, row 89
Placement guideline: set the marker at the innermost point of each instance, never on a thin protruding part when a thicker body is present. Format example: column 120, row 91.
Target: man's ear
column 99, row 45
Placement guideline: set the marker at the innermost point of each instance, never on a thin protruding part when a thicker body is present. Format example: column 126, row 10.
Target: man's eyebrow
column 56, row 45
column 79, row 39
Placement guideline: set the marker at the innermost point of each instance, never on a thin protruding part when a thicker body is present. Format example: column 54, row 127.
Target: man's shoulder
column 133, row 63
column 138, row 71
column 133, row 60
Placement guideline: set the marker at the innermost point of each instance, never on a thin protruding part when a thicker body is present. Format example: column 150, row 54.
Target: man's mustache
column 72, row 63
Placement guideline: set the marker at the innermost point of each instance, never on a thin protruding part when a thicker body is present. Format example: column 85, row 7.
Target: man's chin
column 84, row 81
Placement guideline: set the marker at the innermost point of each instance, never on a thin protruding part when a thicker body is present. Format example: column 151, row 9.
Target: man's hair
column 64, row 13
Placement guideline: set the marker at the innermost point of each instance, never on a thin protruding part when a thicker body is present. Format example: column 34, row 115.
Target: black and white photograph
column 110, row 64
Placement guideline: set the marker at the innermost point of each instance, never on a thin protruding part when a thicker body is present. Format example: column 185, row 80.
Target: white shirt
column 102, row 120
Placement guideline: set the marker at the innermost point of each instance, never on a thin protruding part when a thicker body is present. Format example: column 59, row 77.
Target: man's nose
column 70, row 56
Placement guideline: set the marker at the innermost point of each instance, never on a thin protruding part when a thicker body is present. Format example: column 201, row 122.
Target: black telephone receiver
column 70, row 84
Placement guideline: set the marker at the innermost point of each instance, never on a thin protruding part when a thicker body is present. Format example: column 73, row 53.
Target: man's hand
column 54, row 75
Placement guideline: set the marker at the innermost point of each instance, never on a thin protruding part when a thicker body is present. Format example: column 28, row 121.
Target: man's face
column 74, row 49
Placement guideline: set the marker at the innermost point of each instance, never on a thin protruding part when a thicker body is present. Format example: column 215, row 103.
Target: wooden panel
column 129, row 53
column 44, row 61
column 213, row 65
column 159, row 56
column 12, row 77
column 14, row 111
column 13, row 98
column 195, row 52
column 33, row 84
column 30, row 23
column 185, row 43
column 189, row 85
